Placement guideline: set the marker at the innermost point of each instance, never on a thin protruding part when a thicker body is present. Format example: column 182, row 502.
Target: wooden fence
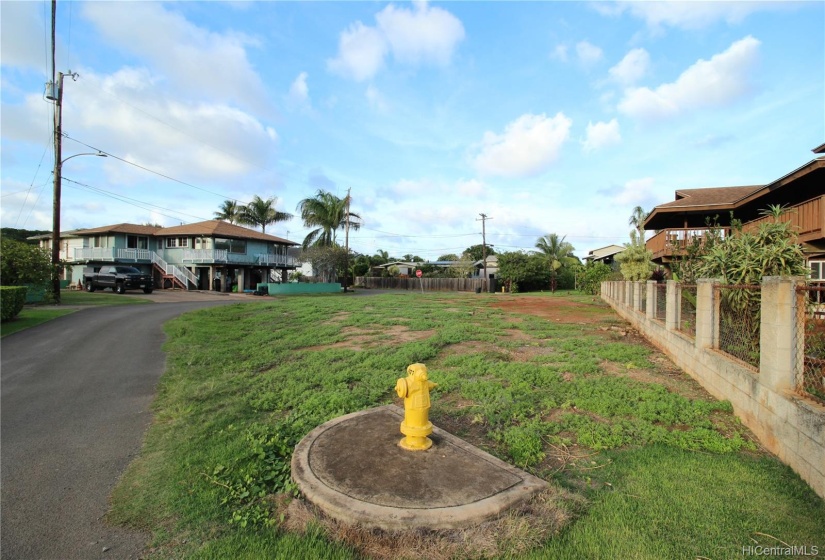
column 429, row 284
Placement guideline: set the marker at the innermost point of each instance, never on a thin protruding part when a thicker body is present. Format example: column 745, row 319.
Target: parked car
column 118, row 278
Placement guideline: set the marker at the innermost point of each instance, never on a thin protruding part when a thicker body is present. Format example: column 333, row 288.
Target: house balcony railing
column 112, row 254
column 222, row 256
column 806, row 219
column 675, row 242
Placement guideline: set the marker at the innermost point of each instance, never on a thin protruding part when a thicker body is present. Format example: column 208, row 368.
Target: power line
column 158, row 173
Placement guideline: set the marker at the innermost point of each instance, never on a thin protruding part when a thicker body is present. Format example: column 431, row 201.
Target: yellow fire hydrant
column 415, row 390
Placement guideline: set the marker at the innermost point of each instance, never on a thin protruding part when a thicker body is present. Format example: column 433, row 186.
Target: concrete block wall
column 787, row 423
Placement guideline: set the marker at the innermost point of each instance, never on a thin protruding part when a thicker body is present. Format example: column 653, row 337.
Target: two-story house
column 210, row 255
column 801, row 192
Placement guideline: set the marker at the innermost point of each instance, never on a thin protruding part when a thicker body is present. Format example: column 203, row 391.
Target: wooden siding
column 806, row 220
column 670, row 243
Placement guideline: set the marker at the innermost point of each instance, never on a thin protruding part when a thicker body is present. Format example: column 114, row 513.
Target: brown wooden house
column 801, row 192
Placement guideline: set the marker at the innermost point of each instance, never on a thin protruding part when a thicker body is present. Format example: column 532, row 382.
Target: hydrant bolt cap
column 401, row 388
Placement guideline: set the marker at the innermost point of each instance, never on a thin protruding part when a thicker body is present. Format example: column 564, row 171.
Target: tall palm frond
column 558, row 251
column 262, row 212
column 229, row 211
column 327, row 213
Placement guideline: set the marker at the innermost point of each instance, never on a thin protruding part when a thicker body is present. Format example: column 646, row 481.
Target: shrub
column 12, row 299
column 21, row 263
column 594, row 274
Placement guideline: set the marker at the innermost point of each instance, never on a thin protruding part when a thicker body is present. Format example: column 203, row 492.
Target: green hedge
column 12, row 299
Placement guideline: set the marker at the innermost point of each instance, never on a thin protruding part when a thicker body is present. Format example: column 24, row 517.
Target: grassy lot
column 33, row 315
column 651, row 466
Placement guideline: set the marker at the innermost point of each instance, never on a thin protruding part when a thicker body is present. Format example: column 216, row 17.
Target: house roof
column 714, row 196
column 693, row 206
column 604, row 252
column 819, row 149
column 209, row 228
column 220, row 228
column 118, row 228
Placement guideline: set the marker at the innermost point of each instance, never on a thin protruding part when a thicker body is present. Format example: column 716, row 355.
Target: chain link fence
column 687, row 310
column 739, row 321
column 810, row 341
column 661, row 302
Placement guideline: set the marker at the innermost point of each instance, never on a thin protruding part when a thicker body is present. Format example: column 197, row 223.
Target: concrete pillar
column 707, row 314
column 637, row 296
column 284, row 275
column 650, row 299
column 778, row 358
column 672, row 305
column 241, row 280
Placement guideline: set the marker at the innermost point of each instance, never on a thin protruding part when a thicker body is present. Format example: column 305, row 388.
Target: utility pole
column 346, row 245
column 483, row 221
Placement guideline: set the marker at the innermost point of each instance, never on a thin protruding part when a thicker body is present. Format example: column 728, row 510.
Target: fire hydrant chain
column 415, row 390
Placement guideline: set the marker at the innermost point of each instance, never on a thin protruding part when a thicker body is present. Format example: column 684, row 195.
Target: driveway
column 74, row 405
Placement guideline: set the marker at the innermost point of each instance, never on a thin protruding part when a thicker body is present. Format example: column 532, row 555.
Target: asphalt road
column 74, row 406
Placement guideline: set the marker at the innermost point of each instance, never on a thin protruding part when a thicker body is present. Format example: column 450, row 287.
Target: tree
column 637, row 218
column 380, row 257
column 448, row 257
column 262, row 212
column 522, row 271
column 327, row 213
column 475, row 252
column 229, row 211
column 22, row 235
column 412, row 258
column 593, row 274
column 635, row 262
column 22, row 263
column 557, row 252
column 327, row 261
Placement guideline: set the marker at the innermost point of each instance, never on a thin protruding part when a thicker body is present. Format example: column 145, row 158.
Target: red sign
column 418, row 273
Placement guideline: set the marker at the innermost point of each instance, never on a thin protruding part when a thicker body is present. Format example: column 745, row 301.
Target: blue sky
column 546, row 116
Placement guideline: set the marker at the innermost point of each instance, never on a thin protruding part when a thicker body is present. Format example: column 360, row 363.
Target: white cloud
column 601, row 135
column 632, row 67
column 559, row 53
column 708, row 83
column 21, row 35
column 376, row 99
column 637, row 192
column 361, row 51
column 689, row 14
column 472, row 187
column 191, row 58
column 420, row 35
column 588, row 53
column 124, row 113
column 528, row 146
column 299, row 91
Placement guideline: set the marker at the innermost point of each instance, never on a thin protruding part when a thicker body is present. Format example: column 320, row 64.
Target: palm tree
column 637, row 218
column 262, row 212
column 559, row 253
column 327, row 213
column 229, row 211
column 380, row 257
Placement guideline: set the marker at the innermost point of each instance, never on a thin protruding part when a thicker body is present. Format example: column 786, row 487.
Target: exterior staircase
column 179, row 277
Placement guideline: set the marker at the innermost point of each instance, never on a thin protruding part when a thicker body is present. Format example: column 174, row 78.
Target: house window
column 137, row 242
column 175, row 242
column 232, row 245
column 817, row 270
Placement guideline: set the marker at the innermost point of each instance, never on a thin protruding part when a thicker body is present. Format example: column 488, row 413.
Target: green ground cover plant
column 33, row 315
column 663, row 468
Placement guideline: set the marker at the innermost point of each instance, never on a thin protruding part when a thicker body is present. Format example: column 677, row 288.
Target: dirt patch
column 516, row 532
column 360, row 339
column 554, row 309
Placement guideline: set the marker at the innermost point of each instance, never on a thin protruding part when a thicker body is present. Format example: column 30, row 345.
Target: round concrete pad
column 353, row 469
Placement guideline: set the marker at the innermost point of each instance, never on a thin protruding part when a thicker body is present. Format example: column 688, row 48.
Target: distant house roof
column 491, row 259
column 604, row 252
column 819, row 149
column 397, row 263
column 118, row 228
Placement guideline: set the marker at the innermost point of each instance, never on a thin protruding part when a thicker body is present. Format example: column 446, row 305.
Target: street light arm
column 98, row 154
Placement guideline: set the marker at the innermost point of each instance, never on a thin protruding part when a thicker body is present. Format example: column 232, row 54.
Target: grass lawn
column 651, row 466
column 33, row 315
